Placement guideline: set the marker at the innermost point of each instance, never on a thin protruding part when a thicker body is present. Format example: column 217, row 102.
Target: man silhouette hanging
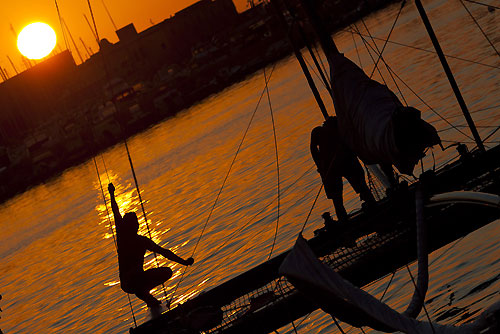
column 131, row 249
column 334, row 161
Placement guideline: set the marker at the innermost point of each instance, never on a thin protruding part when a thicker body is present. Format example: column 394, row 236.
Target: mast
column 305, row 40
column 72, row 40
column 327, row 43
column 85, row 48
column 109, row 15
column 301, row 60
column 92, row 29
column 2, row 73
column 449, row 74
column 13, row 66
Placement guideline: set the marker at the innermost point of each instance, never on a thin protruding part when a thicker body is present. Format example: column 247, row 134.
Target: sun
column 36, row 40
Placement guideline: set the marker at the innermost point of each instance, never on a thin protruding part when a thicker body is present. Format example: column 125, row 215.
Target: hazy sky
column 142, row 13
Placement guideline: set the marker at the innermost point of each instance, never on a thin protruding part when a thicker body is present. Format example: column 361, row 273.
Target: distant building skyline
column 17, row 14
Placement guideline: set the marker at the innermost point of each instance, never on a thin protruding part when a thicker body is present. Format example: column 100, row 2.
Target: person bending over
column 131, row 249
column 334, row 161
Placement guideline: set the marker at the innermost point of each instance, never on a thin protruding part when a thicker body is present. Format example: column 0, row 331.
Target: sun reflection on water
column 59, row 269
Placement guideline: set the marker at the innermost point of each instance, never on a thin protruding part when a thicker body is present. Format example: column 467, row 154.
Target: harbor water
column 59, row 269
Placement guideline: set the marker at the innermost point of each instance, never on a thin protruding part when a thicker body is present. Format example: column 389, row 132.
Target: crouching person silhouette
column 131, row 249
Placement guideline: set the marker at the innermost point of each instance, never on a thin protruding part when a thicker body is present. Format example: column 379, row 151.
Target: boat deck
column 369, row 246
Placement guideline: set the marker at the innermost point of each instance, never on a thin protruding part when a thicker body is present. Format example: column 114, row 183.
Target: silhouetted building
column 34, row 96
column 138, row 56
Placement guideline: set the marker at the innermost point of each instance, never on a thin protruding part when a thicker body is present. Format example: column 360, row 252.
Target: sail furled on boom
column 348, row 303
column 372, row 120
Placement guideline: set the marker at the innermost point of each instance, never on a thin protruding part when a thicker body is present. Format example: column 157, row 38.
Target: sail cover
column 372, row 120
column 348, row 303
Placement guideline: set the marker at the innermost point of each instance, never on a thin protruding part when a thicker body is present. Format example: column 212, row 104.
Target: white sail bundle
column 343, row 300
column 372, row 120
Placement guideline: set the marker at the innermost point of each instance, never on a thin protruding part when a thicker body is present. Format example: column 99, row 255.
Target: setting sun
column 36, row 40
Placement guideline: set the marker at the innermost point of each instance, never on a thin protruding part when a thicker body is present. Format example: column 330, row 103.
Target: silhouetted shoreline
column 139, row 108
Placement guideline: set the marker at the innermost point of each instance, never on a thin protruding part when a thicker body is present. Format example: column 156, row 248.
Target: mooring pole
column 449, row 74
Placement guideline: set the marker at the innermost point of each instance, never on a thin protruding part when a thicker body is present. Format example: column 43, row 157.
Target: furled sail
column 372, row 120
column 348, row 303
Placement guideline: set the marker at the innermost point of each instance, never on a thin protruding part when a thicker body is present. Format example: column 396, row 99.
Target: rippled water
column 59, row 271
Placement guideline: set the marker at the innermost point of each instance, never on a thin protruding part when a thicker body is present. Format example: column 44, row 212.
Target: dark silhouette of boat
column 374, row 242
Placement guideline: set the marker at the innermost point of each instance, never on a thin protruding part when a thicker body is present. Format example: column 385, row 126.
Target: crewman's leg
column 334, row 192
column 148, row 298
column 356, row 177
column 156, row 276
column 151, row 279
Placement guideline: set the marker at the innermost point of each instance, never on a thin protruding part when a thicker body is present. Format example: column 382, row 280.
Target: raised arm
column 152, row 246
column 114, row 206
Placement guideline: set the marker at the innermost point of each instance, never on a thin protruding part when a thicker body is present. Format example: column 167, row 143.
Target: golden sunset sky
column 143, row 14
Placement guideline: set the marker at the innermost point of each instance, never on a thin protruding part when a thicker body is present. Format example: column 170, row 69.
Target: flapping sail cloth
column 372, row 120
column 346, row 302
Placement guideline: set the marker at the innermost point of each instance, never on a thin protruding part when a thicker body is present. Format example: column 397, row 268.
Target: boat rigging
column 260, row 300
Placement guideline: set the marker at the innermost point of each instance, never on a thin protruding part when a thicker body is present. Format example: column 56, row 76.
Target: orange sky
column 20, row 13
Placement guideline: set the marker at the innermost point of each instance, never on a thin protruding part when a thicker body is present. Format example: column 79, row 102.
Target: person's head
column 130, row 223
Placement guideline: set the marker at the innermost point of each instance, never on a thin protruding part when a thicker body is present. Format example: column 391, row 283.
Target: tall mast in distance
column 72, row 40
column 109, row 15
column 12, row 64
column 85, row 48
column 92, row 30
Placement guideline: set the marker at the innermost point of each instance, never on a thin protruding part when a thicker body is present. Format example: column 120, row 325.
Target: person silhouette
column 335, row 160
column 131, row 248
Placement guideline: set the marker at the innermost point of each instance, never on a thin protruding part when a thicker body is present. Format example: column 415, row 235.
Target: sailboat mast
column 4, row 77
column 325, row 40
column 449, row 74
column 72, row 40
column 301, row 60
column 12, row 64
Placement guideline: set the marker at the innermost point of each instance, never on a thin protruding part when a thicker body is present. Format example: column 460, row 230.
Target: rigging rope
column 224, row 182
column 126, row 145
column 229, row 238
column 423, row 304
column 312, row 207
column 277, row 163
column 482, row 4
column 414, row 93
column 369, row 53
column 317, row 75
column 356, row 47
column 388, row 35
column 111, row 228
column 479, row 27
column 321, row 68
column 473, row 112
column 387, row 286
column 379, row 53
column 491, row 134
column 430, row 264
column 422, row 49
column 62, row 27
column 280, row 288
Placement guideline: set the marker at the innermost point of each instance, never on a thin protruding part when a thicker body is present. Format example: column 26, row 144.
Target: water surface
column 59, row 271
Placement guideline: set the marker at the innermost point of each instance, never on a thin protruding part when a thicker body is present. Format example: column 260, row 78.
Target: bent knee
column 167, row 271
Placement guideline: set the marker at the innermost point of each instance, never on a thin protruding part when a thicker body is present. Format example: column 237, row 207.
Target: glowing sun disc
column 36, row 40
